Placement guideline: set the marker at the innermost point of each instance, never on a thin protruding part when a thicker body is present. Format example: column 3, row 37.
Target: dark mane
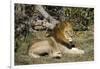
column 59, row 36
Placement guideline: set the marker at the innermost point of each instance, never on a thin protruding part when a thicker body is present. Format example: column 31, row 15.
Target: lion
column 60, row 42
column 45, row 47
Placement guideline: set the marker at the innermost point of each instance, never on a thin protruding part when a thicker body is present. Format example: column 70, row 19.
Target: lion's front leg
column 71, row 51
column 75, row 51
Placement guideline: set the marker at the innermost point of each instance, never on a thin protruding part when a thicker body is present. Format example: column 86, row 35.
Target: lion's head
column 63, row 33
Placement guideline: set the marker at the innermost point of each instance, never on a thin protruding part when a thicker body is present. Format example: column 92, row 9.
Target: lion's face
column 68, row 33
column 63, row 32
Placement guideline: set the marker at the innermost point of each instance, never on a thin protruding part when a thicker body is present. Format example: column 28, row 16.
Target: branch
column 53, row 21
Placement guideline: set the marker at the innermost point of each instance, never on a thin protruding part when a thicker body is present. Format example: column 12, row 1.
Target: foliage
column 26, row 14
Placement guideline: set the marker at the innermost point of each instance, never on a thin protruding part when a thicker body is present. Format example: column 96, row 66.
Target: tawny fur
column 54, row 47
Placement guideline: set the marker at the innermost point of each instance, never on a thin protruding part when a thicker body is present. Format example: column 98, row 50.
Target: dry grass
column 84, row 39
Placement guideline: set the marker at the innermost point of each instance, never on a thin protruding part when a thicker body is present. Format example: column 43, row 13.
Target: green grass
column 84, row 39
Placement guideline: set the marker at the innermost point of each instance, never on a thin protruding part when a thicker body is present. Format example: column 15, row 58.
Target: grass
column 84, row 39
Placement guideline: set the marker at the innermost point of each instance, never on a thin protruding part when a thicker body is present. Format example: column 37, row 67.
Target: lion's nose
column 70, row 40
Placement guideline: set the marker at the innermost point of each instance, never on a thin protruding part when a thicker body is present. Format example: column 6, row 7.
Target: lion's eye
column 69, row 33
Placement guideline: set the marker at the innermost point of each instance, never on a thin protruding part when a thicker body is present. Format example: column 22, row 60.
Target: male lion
column 60, row 42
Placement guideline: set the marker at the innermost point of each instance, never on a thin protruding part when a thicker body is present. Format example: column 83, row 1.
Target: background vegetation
column 29, row 26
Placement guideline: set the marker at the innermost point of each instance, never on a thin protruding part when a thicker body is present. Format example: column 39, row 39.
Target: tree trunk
column 52, row 21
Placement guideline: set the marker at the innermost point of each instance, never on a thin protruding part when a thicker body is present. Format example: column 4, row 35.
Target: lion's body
column 47, row 47
column 58, row 43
